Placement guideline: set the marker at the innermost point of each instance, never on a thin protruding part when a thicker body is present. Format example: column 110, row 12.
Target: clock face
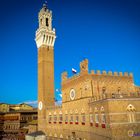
column 40, row 105
column 72, row 94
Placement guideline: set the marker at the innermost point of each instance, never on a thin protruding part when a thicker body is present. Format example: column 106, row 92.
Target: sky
column 106, row 32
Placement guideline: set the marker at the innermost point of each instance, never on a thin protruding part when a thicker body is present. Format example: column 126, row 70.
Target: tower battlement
column 110, row 73
column 84, row 71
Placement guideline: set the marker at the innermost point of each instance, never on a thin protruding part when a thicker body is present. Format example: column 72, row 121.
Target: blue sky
column 107, row 32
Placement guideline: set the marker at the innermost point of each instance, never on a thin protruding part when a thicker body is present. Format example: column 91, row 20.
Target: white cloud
column 57, row 90
column 60, row 95
column 35, row 103
column 32, row 103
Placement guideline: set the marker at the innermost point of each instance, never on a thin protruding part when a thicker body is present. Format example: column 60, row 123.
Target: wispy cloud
column 32, row 103
column 57, row 90
column 35, row 103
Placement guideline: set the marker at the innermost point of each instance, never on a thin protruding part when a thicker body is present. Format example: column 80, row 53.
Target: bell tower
column 45, row 39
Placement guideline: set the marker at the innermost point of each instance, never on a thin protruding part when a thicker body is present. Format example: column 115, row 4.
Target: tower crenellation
column 115, row 73
column 104, row 72
column 126, row 74
column 98, row 72
column 120, row 74
column 110, row 73
column 84, row 63
column 92, row 72
column 131, row 74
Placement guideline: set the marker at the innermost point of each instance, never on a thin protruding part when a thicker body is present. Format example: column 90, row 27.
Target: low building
column 21, row 106
column 16, row 123
column 4, row 107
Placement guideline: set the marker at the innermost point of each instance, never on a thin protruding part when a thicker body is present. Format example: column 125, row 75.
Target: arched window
column 77, row 119
column 55, row 117
column 91, row 119
column 71, row 119
column 60, row 117
column 96, row 117
column 103, row 117
column 47, row 22
column 131, row 113
column 83, row 118
column 50, row 118
column 66, row 117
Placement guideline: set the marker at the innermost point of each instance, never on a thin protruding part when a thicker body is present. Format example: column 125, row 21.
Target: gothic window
column 50, row 118
column 97, row 118
column 91, row 119
column 103, row 120
column 83, row 119
column 71, row 119
column 60, row 118
column 55, row 118
column 77, row 119
column 131, row 113
column 66, row 119
column 103, row 117
column 47, row 23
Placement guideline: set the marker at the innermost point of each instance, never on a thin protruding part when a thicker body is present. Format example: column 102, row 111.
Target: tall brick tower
column 45, row 39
